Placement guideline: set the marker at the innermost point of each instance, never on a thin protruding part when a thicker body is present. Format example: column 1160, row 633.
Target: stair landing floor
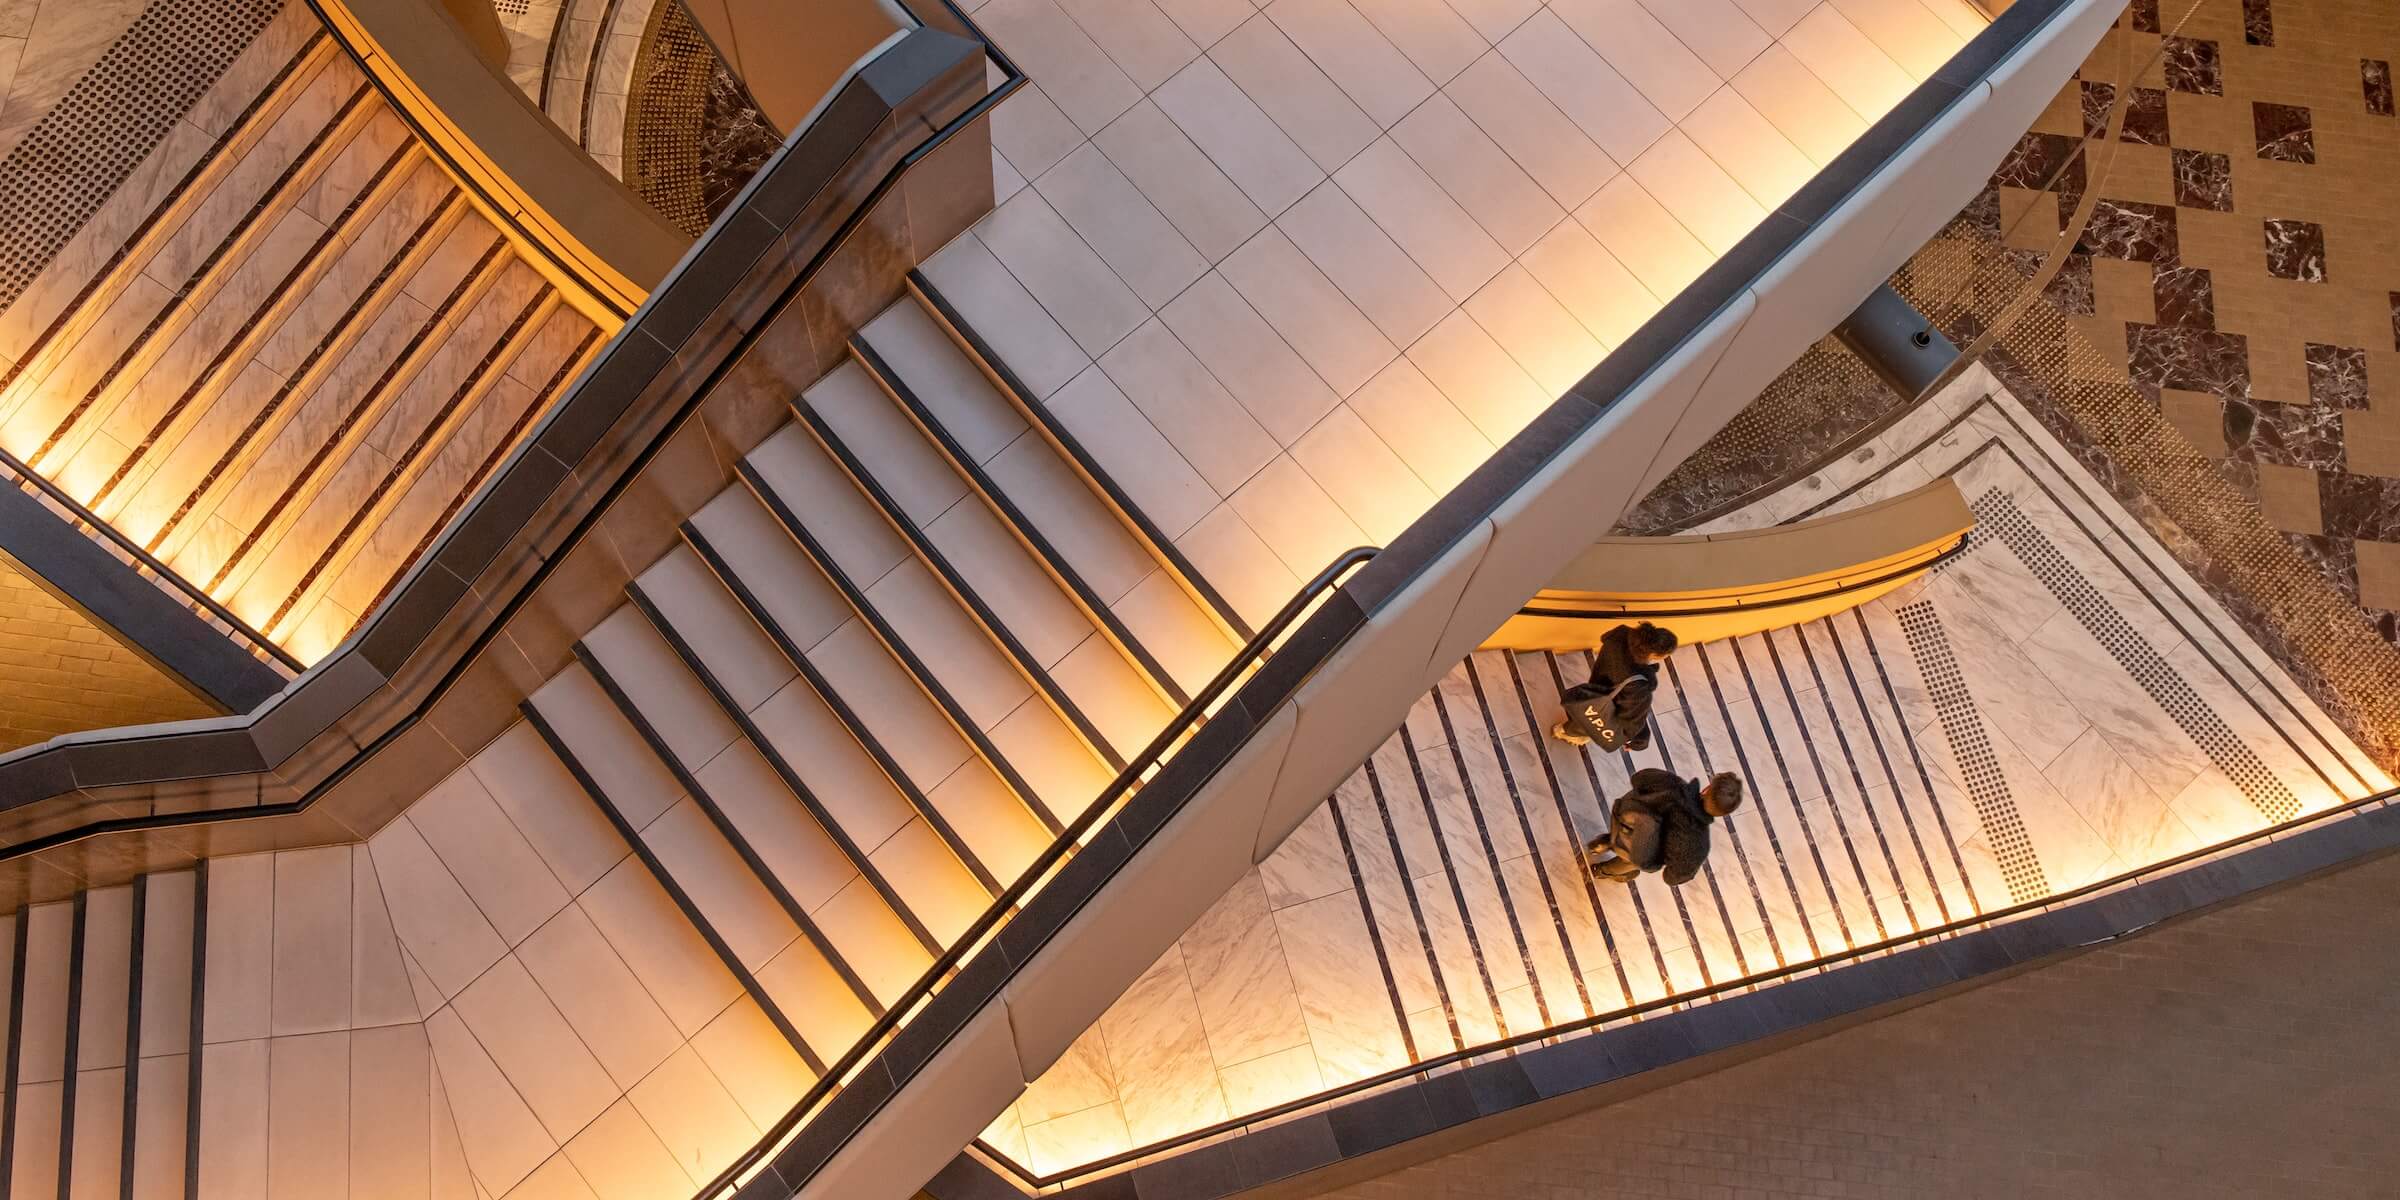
column 2059, row 705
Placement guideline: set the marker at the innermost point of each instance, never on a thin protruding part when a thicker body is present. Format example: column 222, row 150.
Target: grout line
column 1416, row 908
column 1491, row 855
column 1566, row 820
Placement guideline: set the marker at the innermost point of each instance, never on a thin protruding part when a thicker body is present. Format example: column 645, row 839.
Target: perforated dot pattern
column 83, row 149
column 1962, row 724
column 1998, row 513
column 511, row 8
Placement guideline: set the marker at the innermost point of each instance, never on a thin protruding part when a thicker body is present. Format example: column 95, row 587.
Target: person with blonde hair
column 1662, row 825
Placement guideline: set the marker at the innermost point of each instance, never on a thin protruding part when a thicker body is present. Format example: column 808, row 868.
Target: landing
column 2059, row 705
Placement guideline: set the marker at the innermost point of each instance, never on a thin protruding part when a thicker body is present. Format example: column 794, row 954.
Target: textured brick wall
column 2253, row 1051
column 60, row 673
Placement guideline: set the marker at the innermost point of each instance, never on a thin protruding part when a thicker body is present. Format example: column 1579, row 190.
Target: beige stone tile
column 1313, row 316
column 1589, row 282
column 693, row 1115
column 1293, row 93
column 312, row 939
column 2288, row 497
column 1421, row 426
column 1255, row 364
column 1360, row 60
column 623, row 1160
column 598, row 996
column 1527, row 321
column 308, row 1116
column 753, row 1061
column 391, row 1117
column 1478, row 377
column 1645, row 236
column 1190, row 408
column 1142, row 41
column 1119, row 223
column 1787, row 93
column 234, row 1077
column 1514, row 113
column 1696, row 191
column 437, row 923
column 1205, row 206
column 646, row 929
column 1425, row 221
column 487, row 855
column 1239, row 137
column 1654, row 60
column 241, row 953
column 548, row 807
column 1085, row 82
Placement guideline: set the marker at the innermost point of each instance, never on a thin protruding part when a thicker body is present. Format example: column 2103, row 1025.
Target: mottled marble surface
column 1436, row 902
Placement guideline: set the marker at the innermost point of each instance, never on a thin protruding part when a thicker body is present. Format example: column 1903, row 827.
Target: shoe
column 1569, row 736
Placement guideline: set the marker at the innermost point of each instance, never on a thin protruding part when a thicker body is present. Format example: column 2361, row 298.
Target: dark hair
column 1647, row 638
column 1723, row 794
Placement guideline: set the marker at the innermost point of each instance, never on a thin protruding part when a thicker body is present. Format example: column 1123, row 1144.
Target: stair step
column 760, row 818
column 784, row 716
column 916, row 618
column 891, row 719
column 982, row 295
column 723, row 898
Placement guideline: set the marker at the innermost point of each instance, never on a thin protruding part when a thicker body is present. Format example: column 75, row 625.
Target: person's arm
column 1686, row 849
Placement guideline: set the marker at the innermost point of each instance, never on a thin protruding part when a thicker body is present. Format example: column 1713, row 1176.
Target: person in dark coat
column 1600, row 709
column 1662, row 824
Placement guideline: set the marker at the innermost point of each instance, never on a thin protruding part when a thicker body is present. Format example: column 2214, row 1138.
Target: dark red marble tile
column 2145, row 16
column 2202, row 179
column 2375, row 79
column 2191, row 360
column 2337, row 375
column 2145, row 120
column 2131, row 230
column 2193, row 65
column 2183, row 296
column 2071, row 289
column 2258, row 23
column 2292, row 435
column 2360, row 506
column 2286, row 132
column 2296, row 250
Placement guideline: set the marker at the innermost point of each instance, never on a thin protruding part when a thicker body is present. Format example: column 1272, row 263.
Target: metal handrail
column 133, row 550
column 1854, row 954
column 1254, row 653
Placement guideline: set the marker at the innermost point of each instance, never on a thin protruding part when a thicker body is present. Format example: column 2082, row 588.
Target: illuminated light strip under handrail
column 1901, row 572
column 1710, row 992
column 1253, row 654
column 166, row 577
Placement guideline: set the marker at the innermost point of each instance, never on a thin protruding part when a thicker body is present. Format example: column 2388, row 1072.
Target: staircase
column 281, row 361
column 818, row 740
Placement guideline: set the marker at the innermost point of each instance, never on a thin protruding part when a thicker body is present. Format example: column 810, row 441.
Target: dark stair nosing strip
column 69, row 1061
column 1027, row 533
column 199, row 1028
column 181, row 299
column 666, row 882
column 956, row 581
column 130, row 1101
column 783, row 768
column 66, row 314
column 16, row 1044
column 371, row 302
column 841, row 709
column 443, row 425
column 725, row 827
column 378, row 400
column 892, row 643
column 372, row 195
column 1094, row 475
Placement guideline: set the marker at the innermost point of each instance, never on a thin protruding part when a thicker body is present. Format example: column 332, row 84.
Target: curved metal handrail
column 1901, row 572
column 1452, row 1058
column 1253, row 653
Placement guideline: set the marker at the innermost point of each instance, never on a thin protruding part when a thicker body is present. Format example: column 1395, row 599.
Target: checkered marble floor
column 2057, row 705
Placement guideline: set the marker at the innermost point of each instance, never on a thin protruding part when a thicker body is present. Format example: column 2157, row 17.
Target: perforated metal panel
column 83, row 150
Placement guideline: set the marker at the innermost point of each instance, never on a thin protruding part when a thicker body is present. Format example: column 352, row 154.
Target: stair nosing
column 872, row 617
column 1029, row 535
column 207, row 280
column 70, row 1059
column 129, row 1103
column 726, row 828
column 1162, row 548
column 412, row 464
column 916, row 797
column 265, row 321
column 301, row 385
column 921, row 543
column 153, row 233
column 360, row 421
column 666, row 881
column 826, row 822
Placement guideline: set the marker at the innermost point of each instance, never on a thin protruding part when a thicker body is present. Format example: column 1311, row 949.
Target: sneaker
column 1569, row 736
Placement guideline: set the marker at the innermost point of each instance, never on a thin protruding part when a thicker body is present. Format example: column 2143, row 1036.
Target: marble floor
column 1293, row 269
column 2058, row 705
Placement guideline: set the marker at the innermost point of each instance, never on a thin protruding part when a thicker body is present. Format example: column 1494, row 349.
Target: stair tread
column 666, row 695
column 606, row 746
column 1008, row 579
column 746, row 789
column 941, row 375
column 107, row 977
column 740, row 655
column 735, row 902
column 795, row 595
column 842, row 519
column 1019, row 329
column 167, row 963
column 923, row 613
column 903, row 463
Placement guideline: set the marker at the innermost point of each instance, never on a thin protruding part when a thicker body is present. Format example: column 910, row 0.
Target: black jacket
column 1661, row 825
column 1613, row 662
